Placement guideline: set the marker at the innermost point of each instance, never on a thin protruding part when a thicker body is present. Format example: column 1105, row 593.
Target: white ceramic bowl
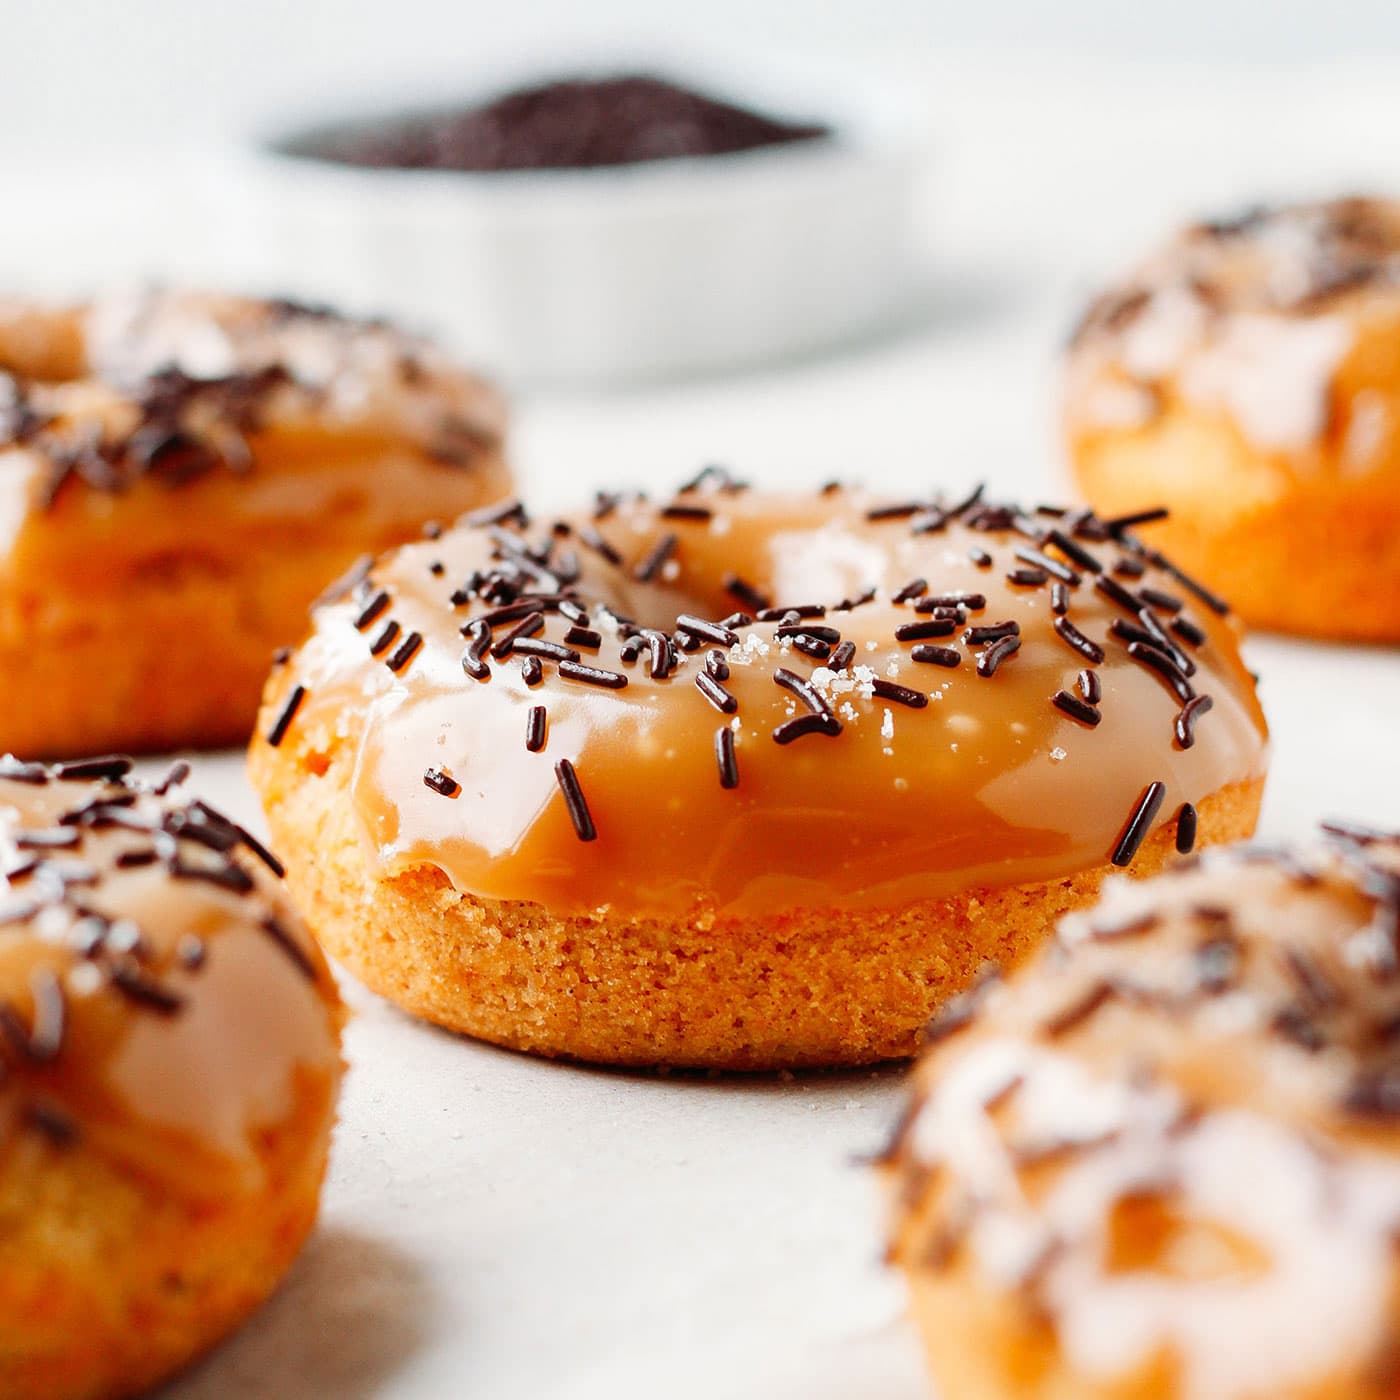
column 640, row 271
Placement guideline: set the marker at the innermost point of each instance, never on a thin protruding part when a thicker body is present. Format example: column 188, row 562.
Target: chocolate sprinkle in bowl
column 639, row 222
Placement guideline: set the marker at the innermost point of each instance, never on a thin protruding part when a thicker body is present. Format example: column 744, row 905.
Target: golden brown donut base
column 109, row 1284
column 1314, row 553
column 812, row 988
column 156, row 632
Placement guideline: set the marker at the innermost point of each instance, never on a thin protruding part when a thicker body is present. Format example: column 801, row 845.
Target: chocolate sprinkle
column 404, row 652
column 999, row 651
column 1162, row 664
column 535, row 728
column 472, row 659
column 746, row 594
column 1185, row 726
column 137, row 987
column 923, row 631
column 991, row 632
column 286, row 715
column 656, row 558
column 1138, row 824
column 715, row 693
column 1076, row 708
column 1188, row 631
column 592, row 675
column 574, row 800
column 110, row 766
column 842, row 657
column 531, row 670
column 1027, row 578
column 823, row 723
column 804, row 690
column 936, row 656
column 371, row 610
column 900, row 694
column 385, row 639
column 1074, row 551
column 725, row 757
column 442, row 783
column 1044, row 564
column 1087, row 648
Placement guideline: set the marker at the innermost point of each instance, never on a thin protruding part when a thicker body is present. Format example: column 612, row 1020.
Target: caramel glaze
column 159, row 1002
column 987, row 785
column 281, row 412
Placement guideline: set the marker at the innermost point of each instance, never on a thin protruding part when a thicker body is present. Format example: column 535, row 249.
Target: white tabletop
column 499, row 1227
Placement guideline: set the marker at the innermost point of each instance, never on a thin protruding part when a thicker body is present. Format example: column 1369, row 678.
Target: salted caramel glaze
column 860, row 775
column 282, row 413
column 160, row 1004
column 1169, row 1147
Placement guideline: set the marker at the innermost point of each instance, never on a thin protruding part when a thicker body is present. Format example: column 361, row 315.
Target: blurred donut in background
column 1247, row 376
column 181, row 475
column 1163, row 1160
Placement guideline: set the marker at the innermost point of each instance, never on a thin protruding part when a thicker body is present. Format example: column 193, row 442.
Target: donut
column 169, row 1063
column 1163, row 1159
column 1246, row 377
column 180, row 475
column 740, row 779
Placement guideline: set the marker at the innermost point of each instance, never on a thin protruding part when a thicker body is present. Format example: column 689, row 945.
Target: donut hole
column 1151, row 1233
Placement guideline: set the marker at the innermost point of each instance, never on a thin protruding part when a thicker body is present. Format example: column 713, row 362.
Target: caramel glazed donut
column 179, row 477
column 532, row 791
column 1248, row 377
column 1163, row 1161
column 169, row 1063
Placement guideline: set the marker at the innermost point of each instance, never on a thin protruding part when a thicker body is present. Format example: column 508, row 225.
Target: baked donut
column 180, row 475
column 169, row 1062
column 1247, row 376
column 1163, row 1160
column 738, row 779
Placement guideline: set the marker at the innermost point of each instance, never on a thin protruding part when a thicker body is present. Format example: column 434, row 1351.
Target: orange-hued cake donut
column 541, row 782
column 180, row 475
column 1247, row 376
column 1162, row 1162
column 169, row 1063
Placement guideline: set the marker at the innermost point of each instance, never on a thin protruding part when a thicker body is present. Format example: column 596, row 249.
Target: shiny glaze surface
column 159, row 1002
column 987, row 785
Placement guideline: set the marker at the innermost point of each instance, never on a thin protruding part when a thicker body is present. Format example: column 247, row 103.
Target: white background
column 499, row 1228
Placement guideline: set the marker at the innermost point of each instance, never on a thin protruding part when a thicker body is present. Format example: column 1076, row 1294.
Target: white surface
column 505, row 1229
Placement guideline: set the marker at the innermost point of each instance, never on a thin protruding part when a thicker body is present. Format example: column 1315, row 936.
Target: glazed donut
column 179, row 477
column 550, row 788
column 169, row 1063
column 1247, row 376
column 1163, row 1160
